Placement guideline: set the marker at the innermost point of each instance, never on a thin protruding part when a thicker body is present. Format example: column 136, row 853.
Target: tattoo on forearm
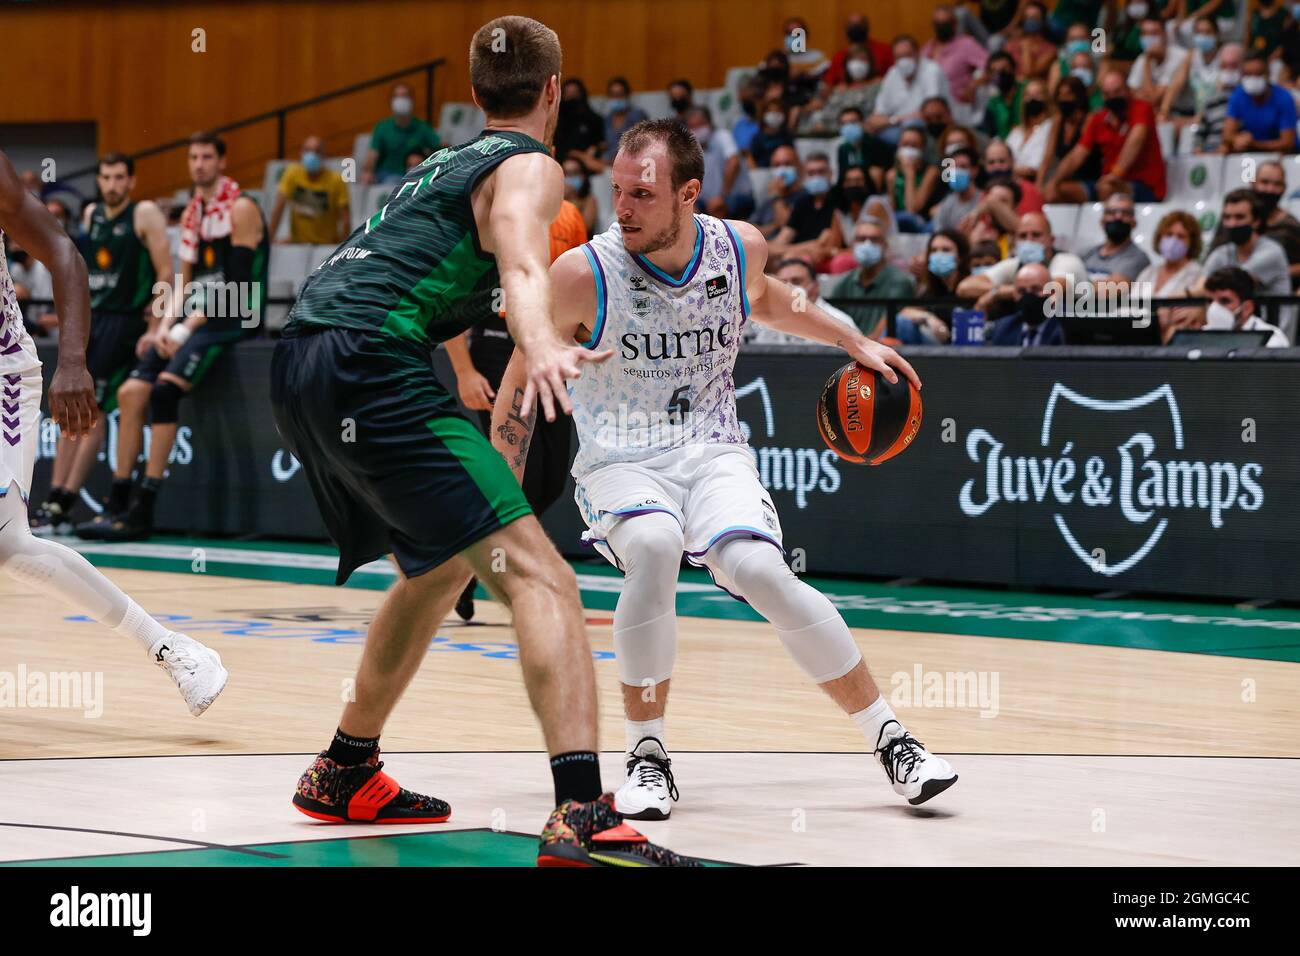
column 517, row 431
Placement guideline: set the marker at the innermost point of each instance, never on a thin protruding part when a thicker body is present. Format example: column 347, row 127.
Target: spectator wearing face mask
column 1028, row 141
column 620, row 114
column 1277, row 224
column 857, row 31
column 1261, row 115
column 1117, row 260
column 1078, row 40
column 1206, row 53
column 961, row 57
column 773, row 133
column 1066, row 13
column 317, row 199
column 909, row 83
column 963, row 198
column 1031, row 51
column 853, row 149
column 1124, row 134
column 876, row 278
column 1214, row 109
column 999, row 161
column 395, row 137
column 984, row 255
column 32, row 280
column 1028, row 325
column 1083, row 68
column 725, row 190
column 945, row 262
column 784, row 188
column 1125, row 41
column 850, row 198
column 937, row 118
column 681, row 97
column 1035, row 245
column 1242, row 222
column 1160, row 74
column 1003, row 104
column 800, row 274
column 808, row 230
column 820, row 116
column 1175, row 271
column 1232, row 306
column 579, row 130
column 912, row 184
column 781, row 81
column 577, row 190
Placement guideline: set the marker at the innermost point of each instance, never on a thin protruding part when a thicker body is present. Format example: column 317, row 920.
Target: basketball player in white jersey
column 663, row 467
column 45, row 565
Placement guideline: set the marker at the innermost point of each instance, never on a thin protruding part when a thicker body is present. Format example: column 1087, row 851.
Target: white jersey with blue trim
column 17, row 351
column 675, row 339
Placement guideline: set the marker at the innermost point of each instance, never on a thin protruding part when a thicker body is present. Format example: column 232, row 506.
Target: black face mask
column 18, row 256
column 943, row 32
column 680, row 104
column 774, row 74
column 935, row 129
column 1067, row 107
column 1034, row 109
column 1006, row 81
column 856, row 34
column 1117, row 231
column 1268, row 201
column 1117, row 105
column 1240, row 235
column 1031, row 308
column 854, row 194
column 749, row 108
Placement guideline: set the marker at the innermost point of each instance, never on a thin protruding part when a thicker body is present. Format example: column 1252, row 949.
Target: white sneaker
column 648, row 792
column 196, row 669
column 915, row 773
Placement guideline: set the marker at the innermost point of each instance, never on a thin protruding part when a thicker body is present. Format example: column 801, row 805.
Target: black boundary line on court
column 796, row 753
column 249, row 848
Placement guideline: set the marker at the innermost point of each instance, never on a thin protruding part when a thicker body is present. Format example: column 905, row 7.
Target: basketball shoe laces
column 900, row 755
column 652, row 771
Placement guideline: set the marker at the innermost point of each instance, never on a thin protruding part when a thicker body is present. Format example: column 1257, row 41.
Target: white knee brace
column 645, row 620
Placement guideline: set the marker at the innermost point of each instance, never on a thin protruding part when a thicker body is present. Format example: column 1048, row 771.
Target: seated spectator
column 909, row 83
column 317, row 199
column 794, row 89
column 996, row 215
column 1031, row 50
column 1266, row 24
column 803, row 58
column 620, row 116
column 998, row 161
column 1002, row 108
column 1159, row 76
column 747, row 125
column 820, row 116
column 963, row 197
column 945, row 263
column 995, row 20
column 954, row 138
column 960, row 56
column 1279, row 225
column 1071, row 100
column 937, row 119
column 681, row 97
column 32, row 280
column 1028, row 141
column 577, row 190
column 853, row 149
column 1178, row 241
column 800, row 274
column 1232, row 306
column 1206, row 51
column 984, row 255
column 725, row 191
column 396, row 137
column 1124, row 132
column 580, row 130
column 1035, row 245
column 1247, row 248
column 858, row 33
column 1214, row 109
column 1078, row 39
column 784, row 187
column 850, row 198
column 1083, row 68
column 774, row 132
column 1117, row 260
column 1067, row 14
column 1261, row 115
column 875, row 278
column 808, row 230
column 911, row 184
column 1028, row 325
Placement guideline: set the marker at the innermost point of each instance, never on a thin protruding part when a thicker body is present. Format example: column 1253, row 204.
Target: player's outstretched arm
column 574, row 290
column 527, row 191
column 779, row 306
column 72, row 392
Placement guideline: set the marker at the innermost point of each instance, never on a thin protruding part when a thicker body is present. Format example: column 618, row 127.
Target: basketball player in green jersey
column 395, row 469
column 126, row 254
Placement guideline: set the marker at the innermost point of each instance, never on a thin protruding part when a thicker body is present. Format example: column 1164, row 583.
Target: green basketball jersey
column 415, row 270
column 121, row 272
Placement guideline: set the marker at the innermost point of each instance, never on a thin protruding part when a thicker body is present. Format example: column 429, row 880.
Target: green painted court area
column 1192, row 627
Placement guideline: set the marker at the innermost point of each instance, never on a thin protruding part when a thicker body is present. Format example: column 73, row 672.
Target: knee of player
column 133, row 393
column 658, row 548
column 165, row 402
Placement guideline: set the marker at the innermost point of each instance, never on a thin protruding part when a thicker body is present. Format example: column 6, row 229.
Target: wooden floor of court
column 1089, row 755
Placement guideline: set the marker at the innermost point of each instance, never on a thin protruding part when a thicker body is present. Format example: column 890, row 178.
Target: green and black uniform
column 121, row 286
column 393, row 465
column 231, row 295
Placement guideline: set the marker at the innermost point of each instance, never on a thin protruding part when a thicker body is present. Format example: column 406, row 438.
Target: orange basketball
column 864, row 419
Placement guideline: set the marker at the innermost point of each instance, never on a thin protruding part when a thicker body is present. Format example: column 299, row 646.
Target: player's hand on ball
column 549, row 368
column 475, row 392
column 882, row 358
column 72, row 400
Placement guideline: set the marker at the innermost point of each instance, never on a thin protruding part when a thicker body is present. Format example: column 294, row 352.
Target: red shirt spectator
column 1106, row 131
column 858, row 32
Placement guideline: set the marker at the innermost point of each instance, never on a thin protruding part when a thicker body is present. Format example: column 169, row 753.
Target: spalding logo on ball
column 864, row 419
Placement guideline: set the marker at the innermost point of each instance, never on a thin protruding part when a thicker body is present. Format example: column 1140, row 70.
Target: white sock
column 137, row 623
column 635, row 730
column 872, row 719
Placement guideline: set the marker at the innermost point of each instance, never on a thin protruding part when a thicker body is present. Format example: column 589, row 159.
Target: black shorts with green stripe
column 110, row 352
column 393, row 465
column 194, row 359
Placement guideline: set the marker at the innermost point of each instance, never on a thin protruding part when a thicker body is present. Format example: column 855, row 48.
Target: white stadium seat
column 1061, row 217
column 1191, row 178
column 603, row 192
column 1206, row 213
column 759, row 177
column 826, row 282
column 1239, row 169
column 459, row 123
column 1168, row 139
column 1088, row 231
column 1187, row 139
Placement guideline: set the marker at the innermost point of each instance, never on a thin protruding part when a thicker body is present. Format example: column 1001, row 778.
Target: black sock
column 577, row 776
column 348, row 751
column 119, row 496
column 142, row 513
column 61, row 497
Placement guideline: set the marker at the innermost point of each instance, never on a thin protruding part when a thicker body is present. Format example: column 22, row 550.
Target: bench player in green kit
column 395, row 469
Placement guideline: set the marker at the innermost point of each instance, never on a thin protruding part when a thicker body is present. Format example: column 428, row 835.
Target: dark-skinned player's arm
column 22, row 215
column 527, row 191
column 151, row 228
column 780, row 306
column 574, row 289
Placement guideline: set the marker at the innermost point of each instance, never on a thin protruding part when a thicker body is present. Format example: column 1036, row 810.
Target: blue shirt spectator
column 1261, row 109
column 621, row 115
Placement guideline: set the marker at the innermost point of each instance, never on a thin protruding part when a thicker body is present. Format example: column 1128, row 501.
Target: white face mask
column 858, row 69
column 906, row 66
column 1254, row 85
column 1229, row 78
column 908, row 152
column 1219, row 316
column 402, row 105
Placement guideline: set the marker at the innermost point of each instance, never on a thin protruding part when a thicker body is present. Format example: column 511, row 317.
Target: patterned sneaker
column 362, row 794
column 916, row 774
column 465, row 603
column 50, row 518
column 594, row 834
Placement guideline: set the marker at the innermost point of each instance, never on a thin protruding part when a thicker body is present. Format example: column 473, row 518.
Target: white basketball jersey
column 17, row 351
column 675, row 338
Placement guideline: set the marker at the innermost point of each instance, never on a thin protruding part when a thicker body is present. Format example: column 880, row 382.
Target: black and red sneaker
column 333, row 793
column 594, row 834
